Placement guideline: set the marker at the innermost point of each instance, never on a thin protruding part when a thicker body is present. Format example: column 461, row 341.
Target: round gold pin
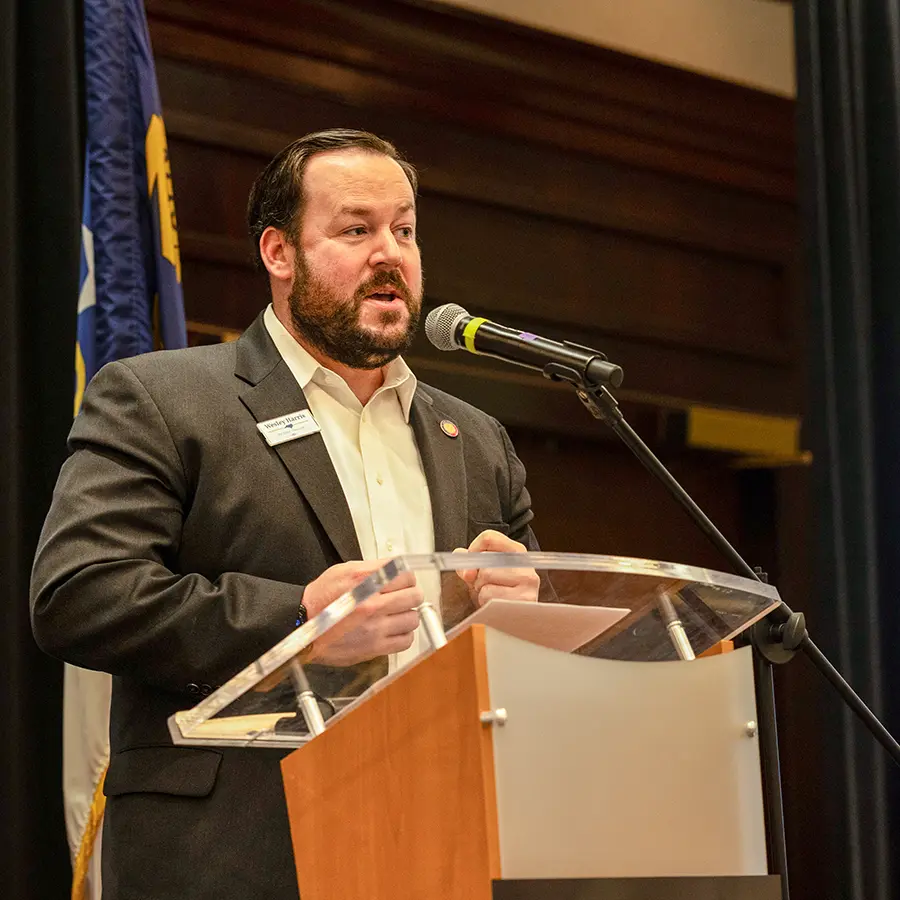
column 449, row 428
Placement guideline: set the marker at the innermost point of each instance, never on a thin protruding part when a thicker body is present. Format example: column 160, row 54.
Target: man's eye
column 406, row 231
column 356, row 231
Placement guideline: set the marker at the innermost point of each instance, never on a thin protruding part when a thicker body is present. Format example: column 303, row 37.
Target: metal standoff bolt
column 312, row 715
column 751, row 729
column 674, row 626
column 431, row 623
column 306, row 700
column 494, row 717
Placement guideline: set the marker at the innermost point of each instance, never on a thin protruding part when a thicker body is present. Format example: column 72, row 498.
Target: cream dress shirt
column 375, row 456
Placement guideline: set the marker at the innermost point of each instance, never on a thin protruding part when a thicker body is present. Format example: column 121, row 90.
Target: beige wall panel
column 746, row 41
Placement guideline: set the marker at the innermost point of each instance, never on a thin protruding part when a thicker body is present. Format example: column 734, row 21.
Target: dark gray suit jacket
column 175, row 552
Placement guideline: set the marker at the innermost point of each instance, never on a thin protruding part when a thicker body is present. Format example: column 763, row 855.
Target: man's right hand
column 381, row 625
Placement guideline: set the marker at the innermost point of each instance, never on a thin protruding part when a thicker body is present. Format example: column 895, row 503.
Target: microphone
column 450, row 327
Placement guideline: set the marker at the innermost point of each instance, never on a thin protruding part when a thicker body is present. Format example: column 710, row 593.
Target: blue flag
column 130, row 299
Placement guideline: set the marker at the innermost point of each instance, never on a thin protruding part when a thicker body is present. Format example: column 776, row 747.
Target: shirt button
column 390, row 546
column 379, row 479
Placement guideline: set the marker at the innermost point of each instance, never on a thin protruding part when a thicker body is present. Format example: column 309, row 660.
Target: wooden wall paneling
column 219, row 294
column 234, row 109
column 575, row 273
column 593, row 497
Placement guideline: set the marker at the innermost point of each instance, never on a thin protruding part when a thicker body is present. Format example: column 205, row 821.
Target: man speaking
column 186, row 535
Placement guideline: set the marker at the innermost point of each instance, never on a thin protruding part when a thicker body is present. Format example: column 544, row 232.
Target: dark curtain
column 848, row 56
column 39, row 258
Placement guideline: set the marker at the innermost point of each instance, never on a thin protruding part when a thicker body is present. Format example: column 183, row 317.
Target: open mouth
column 388, row 295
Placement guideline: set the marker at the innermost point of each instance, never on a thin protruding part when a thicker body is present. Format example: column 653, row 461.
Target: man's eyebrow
column 362, row 211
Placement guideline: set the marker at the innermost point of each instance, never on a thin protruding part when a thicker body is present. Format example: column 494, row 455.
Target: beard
column 331, row 324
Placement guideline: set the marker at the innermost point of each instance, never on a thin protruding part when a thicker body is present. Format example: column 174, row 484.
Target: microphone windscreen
column 440, row 325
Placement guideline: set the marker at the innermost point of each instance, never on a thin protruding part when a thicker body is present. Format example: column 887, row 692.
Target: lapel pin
column 449, row 428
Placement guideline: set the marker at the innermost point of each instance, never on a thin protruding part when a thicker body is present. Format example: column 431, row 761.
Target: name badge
column 288, row 428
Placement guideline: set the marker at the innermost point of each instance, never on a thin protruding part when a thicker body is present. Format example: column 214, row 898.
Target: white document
column 555, row 625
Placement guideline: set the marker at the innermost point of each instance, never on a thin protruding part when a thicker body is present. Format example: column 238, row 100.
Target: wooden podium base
column 494, row 757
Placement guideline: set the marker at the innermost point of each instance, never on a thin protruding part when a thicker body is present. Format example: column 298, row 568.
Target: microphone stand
column 775, row 638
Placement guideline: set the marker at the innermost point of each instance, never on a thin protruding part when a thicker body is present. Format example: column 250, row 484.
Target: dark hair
column 276, row 197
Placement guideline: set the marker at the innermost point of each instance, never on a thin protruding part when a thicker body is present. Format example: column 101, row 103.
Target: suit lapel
column 445, row 472
column 273, row 391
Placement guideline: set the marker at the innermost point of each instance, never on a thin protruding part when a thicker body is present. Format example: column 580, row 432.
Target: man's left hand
column 499, row 584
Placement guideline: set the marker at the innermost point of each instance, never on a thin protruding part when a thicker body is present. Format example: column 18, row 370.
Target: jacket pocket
column 180, row 771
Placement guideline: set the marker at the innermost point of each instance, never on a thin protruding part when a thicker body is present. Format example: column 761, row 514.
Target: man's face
column 357, row 289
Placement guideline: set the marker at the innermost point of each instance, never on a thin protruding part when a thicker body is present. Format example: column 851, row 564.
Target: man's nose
column 387, row 252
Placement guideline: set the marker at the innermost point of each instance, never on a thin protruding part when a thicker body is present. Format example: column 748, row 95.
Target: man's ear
column 278, row 254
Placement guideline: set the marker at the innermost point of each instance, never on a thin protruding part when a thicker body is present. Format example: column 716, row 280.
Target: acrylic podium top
column 634, row 604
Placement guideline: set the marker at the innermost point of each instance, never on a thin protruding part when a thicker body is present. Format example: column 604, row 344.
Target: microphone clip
column 591, row 375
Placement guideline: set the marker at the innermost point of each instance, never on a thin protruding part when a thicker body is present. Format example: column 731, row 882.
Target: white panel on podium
column 676, row 739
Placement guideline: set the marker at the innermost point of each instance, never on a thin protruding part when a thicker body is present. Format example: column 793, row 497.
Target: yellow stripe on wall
column 742, row 432
column 224, row 334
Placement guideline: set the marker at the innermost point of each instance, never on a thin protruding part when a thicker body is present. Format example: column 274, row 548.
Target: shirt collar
column 397, row 374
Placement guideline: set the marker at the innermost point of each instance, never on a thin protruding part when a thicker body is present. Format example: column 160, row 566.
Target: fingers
column 369, row 631
column 397, row 644
column 526, row 591
column 467, row 575
column 499, row 584
column 401, row 624
column 401, row 581
column 505, row 577
column 491, row 541
column 333, row 582
column 395, row 601
column 338, row 579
